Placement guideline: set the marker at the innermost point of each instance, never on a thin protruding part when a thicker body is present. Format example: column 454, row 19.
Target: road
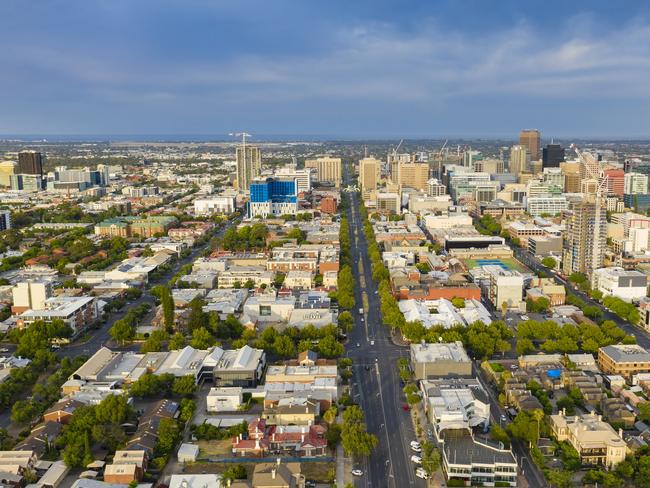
column 376, row 384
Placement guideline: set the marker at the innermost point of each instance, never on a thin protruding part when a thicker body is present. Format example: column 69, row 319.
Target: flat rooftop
column 444, row 351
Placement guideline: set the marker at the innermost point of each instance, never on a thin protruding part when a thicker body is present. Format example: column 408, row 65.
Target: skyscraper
column 327, row 169
column 369, row 173
column 518, row 159
column 249, row 165
column 635, row 184
column 413, row 175
column 529, row 138
column 552, row 156
column 615, row 181
column 30, row 163
column 583, row 249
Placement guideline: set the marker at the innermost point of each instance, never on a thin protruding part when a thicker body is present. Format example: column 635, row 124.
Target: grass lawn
column 324, row 472
column 321, row 472
column 215, row 448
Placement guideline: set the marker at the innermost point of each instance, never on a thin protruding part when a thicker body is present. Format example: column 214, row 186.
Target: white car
column 415, row 444
column 416, row 459
column 421, row 473
column 372, row 343
column 357, row 472
column 525, row 317
column 416, row 449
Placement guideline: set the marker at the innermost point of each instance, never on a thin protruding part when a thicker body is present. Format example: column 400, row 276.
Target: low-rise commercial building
column 596, row 441
column 440, row 360
column 625, row 284
column 624, row 360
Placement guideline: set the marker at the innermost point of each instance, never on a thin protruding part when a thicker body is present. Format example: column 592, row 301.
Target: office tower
column 30, row 163
column 470, row 158
column 615, row 181
column 369, row 173
column 492, row 166
column 554, row 177
column 273, row 196
column 105, row 176
column 518, row 159
column 394, row 161
column 435, row 188
column 302, row 177
column 327, row 169
column 529, row 138
column 635, row 184
column 572, row 179
column 413, row 175
column 7, row 170
column 583, row 249
column 552, row 156
column 249, row 165
column 5, row 220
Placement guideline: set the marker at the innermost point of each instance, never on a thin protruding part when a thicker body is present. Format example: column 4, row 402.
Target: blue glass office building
column 273, row 196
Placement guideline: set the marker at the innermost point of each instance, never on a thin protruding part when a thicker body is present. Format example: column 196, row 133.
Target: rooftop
column 626, row 353
column 446, row 351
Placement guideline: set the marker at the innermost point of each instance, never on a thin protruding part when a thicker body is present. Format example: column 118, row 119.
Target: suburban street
column 101, row 336
column 376, row 384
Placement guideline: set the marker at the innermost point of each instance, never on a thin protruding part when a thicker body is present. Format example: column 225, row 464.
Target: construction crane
column 439, row 173
column 243, row 136
column 590, row 169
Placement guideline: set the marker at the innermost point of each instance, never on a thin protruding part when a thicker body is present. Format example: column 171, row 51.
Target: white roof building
column 442, row 312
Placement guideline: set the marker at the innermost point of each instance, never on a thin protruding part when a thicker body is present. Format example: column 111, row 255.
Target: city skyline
column 371, row 70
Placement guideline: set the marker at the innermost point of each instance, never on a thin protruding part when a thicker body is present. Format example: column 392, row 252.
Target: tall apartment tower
column 327, row 169
column 369, row 173
column 583, row 249
column 413, row 175
column 552, row 156
column 249, row 165
column 518, row 159
column 635, row 183
column 30, row 163
column 529, row 138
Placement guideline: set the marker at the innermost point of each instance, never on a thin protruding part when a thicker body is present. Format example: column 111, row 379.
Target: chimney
column 620, row 432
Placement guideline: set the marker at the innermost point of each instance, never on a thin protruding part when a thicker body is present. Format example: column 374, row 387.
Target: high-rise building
column 615, row 181
column 518, row 159
column 30, row 163
column 369, row 173
column 635, row 184
column 249, row 165
column 584, row 247
column 273, row 196
column 572, row 177
column 552, row 156
column 435, row 188
column 529, row 138
column 327, row 169
column 7, row 170
column 5, row 220
column 554, row 177
column 105, row 176
column 394, row 160
column 413, row 175
column 302, row 176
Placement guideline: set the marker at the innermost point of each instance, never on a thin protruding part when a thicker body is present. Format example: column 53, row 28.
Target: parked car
column 416, row 459
column 405, row 407
column 357, row 472
column 421, row 473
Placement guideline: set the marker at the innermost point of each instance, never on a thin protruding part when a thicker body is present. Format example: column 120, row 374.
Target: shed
column 188, row 453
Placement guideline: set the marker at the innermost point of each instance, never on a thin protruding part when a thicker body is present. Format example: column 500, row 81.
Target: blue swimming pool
column 554, row 373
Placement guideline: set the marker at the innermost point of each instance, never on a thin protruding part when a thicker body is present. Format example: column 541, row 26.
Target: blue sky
column 342, row 68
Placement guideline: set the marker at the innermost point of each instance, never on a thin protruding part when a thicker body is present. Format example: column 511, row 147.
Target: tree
column 202, row 339
column 329, row 347
column 122, row 331
column 354, row 436
column 498, row 434
column 184, row 386
column 284, row 347
column 177, row 341
column 155, row 340
column 330, row 414
column 24, row 411
column 167, row 303
column 197, row 318
column 168, row 436
column 549, row 262
column 236, row 472
column 458, row 302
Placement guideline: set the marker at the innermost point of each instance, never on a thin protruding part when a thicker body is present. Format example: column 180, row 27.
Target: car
column 421, row 473
column 525, row 317
column 416, row 459
column 415, row 444
column 361, row 319
column 372, row 343
column 503, row 418
column 55, row 347
column 357, row 472
column 4, row 349
column 416, row 449
column 513, row 367
column 405, row 407
column 358, row 345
